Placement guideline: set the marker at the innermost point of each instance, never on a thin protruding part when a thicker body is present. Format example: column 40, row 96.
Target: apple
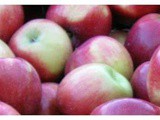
column 102, row 49
column 126, row 15
column 127, row 106
column 83, row 21
column 6, row 109
column 139, row 81
column 11, row 18
column 34, row 11
column 45, row 45
column 88, row 86
column 153, row 78
column 5, row 51
column 119, row 35
column 144, row 38
column 48, row 104
column 20, row 85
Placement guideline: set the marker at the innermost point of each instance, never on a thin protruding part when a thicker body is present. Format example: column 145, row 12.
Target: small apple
column 143, row 38
column 48, row 104
column 11, row 18
column 126, row 15
column 127, row 106
column 119, row 35
column 45, row 45
column 153, row 78
column 102, row 49
column 20, row 85
column 6, row 109
column 83, row 21
column 88, row 86
column 139, row 81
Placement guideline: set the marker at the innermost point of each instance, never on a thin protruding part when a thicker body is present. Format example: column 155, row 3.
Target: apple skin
column 153, row 78
column 144, row 38
column 88, row 86
column 93, row 20
column 11, row 18
column 20, row 85
column 127, row 106
column 139, row 81
column 45, row 45
column 6, row 109
column 102, row 49
column 5, row 51
column 126, row 15
column 48, row 104
column 119, row 35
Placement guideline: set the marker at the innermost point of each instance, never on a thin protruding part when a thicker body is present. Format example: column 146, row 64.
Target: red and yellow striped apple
column 88, row 86
column 45, row 45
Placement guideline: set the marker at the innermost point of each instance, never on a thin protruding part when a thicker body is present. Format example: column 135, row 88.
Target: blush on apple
column 6, row 109
column 45, row 45
column 88, row 86
column 102, row 49
column 153, row 81
column 20, row 85
column 48, row 104
column 144, row 38
column 126, row 15
column 11, row 18
column 83, row 21
column 126, row 106
column 139, row 81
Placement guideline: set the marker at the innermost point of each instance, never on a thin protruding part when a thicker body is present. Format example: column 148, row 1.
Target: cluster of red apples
column 80, row 60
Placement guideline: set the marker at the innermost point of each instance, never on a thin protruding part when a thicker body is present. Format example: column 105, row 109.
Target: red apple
column 11, row 18
column 88, row 86
column 119, row 35
column 126, row 15
column 139, row 81
column 20, row 85
column 48, row 104
column 153, row 81
column 45, row 45
column 102, row 49
column 126, row 106
column 6, row 109
column 144, row 38
column 83, row 21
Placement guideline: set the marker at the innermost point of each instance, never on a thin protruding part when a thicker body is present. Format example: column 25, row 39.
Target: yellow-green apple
column 127, row 106
column 6, row 109
column 153, row 78
column 48, row 104
column 139, row 81
column 88, row 86
column 119, row 35
column 83, row 21
column 143, row 38
column 20, row 85
column 45, row 45
column 5, row 51
column 126, row 15
column 102, row 49
column 11, row 18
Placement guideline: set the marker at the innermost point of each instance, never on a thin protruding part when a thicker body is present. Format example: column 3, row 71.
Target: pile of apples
column 80, row 60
